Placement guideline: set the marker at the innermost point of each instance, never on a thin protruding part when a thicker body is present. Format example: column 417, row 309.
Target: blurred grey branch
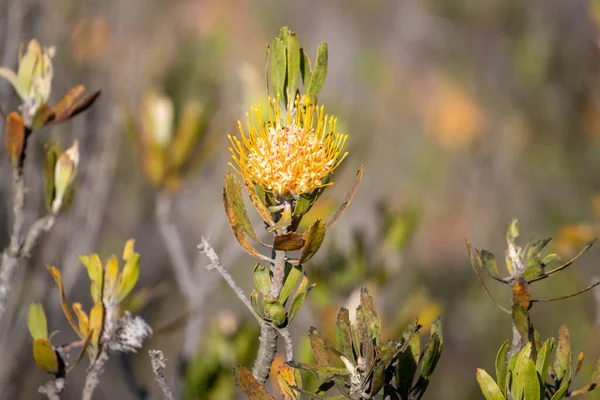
column 194, row 289
column 158, row 361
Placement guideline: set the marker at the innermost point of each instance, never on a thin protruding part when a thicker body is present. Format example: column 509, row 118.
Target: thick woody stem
column 268, row 334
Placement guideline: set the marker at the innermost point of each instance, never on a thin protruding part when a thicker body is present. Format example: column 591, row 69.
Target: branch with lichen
column 105, row 330
column 53, row 388
column 158, row 361
column 33, row 83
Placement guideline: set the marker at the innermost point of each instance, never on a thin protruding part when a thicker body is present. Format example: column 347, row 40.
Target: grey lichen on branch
column 158, row 361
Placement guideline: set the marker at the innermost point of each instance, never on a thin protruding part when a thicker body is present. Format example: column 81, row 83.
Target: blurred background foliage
column 466, row 113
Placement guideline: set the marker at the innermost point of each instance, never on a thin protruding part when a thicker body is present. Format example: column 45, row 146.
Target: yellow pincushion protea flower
column 288, row 156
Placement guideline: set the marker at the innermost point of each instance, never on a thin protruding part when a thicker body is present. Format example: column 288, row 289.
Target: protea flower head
column 288, row 155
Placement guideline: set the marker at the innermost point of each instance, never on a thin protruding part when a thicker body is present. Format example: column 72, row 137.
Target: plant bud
column 64, row 174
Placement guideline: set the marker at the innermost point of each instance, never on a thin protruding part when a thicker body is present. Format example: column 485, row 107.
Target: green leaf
column 36, row 321
column 369, row 315
column 257, row 196
column 275, row 310
column 531, row 272
column 305, row 69
column 343, row 334
column 291, row 279
column 517, row 388
column 487, row 261
column 501, row 371
column 431, row 356
column 303, row 205
column 527, row 378
column 278, row 69
column 406, row 366
column 324, row 372
column 262, row 279
column 313, row 238
column 521, row 321
column 293, row 65
column 542, row 362
column 489, row 388
column 238, row 217
column 254, row 302
column 320, row 71
column 53, row 152
column 560, row 394
column 250, row 386
column 299, row 298
column 324, row 353
column 563, row 357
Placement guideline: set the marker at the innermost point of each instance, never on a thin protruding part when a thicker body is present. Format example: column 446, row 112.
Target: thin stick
column 158, row 369
column 567, row 296
column 92, row 379
column 289, row 346
column 205, row 248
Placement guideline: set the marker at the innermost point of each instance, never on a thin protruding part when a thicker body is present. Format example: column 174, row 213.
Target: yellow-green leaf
column 250, row 386
column 128, row 250
column 63, row 299
column 53, row 152
column 501, row 367
column 45, row 356
column 129, row 276
column 82, row 318
column 261, row 208
column 299, row 298
column 278, row 68
column 291, row 279
column 96, row 323
column 489, row 388
column 36, row 321
column 95, row 273
column 111, row 275
column 293, row 65
column 320, row 71
column 14, row 81
column 262, row 278
column 275, row 310
column 288, row 379
column 237, row 216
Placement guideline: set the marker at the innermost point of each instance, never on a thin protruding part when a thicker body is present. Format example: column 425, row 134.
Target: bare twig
column 93, row 375
column 15, row 251
column 205, row 248
column 158, row 369
column 174, row 245
column 585, row 289
column 53, row 388
column 289, row 347
column 40, row 226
